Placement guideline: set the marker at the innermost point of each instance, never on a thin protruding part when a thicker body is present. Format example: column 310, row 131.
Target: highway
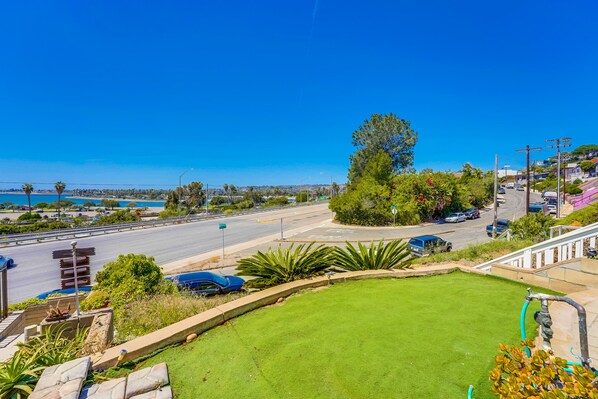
column 37, row 272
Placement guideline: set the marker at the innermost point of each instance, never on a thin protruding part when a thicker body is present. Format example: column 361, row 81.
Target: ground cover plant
column 393, row 338
column 475, row 254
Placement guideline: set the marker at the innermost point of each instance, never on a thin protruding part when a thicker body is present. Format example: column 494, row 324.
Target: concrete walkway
column 566, row 326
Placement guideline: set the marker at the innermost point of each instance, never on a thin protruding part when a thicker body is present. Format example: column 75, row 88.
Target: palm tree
column 28, row 189
column 59, row 186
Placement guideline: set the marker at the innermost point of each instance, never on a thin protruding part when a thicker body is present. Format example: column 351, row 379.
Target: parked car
column 501, row 190
column 552, row 209
column 207, row 283
column 472, row 213
column 428, row 245
column 520, row 188
column 501, row 226
column 66, row 291
column 6, row 261
column 539, row 207
column 455, row 217
column 510, row 185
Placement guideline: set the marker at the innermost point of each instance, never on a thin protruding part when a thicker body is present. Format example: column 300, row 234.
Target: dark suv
column 472, row 213
column 501, row 226
column 428, row 245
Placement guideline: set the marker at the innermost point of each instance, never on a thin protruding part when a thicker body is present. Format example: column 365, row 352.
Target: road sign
column 68, row 253
column 394, row 211
column 393, row 207
column 222, row 226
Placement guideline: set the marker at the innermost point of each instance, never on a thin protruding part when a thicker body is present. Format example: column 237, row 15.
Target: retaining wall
column 204, row 321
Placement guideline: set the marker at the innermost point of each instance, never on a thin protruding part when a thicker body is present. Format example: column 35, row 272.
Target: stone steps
column 65, row 381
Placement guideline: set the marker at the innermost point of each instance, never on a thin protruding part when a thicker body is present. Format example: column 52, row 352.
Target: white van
column 511, row 185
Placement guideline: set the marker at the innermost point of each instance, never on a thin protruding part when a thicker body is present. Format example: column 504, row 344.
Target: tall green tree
column 387, row 133
column 190, row 197
column 584, row 150
column 28, row 189
column 59, row 187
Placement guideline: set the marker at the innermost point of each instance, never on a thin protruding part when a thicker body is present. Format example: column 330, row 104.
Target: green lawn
column 426, row 337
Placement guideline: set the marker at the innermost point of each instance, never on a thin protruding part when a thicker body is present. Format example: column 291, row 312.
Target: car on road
column 552, row 209
column 502, row 225
column 511, row 185
column 428, row 245
column 6, row 261
column 472, row 213
column 207, row 283
column 455, row 217
column 501, row 190
column 520, row 188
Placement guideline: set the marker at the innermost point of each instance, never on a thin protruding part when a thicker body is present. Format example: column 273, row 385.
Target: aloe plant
column 284, row 265
column 394, row 255
column 18, row 376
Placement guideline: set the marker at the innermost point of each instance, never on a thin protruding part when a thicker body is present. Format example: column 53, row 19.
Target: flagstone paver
column 161, row 393
column 147, row 380
column 112, row 389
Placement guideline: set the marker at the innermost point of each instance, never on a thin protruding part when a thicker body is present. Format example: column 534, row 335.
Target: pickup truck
column 501, row 226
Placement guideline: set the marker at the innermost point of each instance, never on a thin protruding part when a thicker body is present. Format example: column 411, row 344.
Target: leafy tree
column 59, row 186
column 109, row 203
column 586, row 166
column 253, row 195
column 277, row 201
column 387, row 133
column 301, row 197
column 335, row 189
column 29, row 216
column 394, row 255
column 284, row 265
column 218, row 200
column 89, row 204
column 190, row 197
column 28, row 189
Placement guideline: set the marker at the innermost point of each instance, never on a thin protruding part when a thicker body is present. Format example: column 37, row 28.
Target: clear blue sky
column 256, row 92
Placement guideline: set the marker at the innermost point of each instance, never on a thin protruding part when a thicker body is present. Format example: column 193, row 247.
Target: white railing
column 564, row 247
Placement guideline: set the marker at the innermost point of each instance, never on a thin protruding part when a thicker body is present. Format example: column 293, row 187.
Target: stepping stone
column 68, row 390
column 113, row 389
column 162, row 393
column 62, row 373
column 147, row 380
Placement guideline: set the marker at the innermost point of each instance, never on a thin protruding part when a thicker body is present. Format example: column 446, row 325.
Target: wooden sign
column 67, row 253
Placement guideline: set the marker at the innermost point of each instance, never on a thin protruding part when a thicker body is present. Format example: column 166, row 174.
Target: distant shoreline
column 116, row 199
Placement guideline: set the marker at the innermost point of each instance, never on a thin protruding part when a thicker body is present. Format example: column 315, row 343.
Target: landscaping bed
column 408, row 338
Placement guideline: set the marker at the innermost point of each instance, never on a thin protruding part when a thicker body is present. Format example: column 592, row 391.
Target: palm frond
column 394, row 255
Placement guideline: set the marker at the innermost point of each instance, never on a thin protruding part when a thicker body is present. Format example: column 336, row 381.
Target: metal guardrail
column 39, row 236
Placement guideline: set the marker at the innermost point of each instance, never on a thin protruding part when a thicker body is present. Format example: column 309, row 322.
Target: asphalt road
column 37, row 272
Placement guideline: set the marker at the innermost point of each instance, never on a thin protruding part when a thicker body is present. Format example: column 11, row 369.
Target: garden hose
column 470, row 392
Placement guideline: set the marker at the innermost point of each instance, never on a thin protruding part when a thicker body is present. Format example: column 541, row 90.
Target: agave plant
column 53, row 348
column 18, row 376
column 284, row 265
column 394, row 255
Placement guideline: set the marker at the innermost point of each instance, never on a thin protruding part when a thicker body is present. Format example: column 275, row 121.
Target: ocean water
column 21, row 199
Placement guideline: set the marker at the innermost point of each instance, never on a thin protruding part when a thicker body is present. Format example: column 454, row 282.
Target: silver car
column 455, row 217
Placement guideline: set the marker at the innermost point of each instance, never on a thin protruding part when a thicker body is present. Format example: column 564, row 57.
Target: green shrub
column 131, row 277
column 533, row 227
column 168, row 214
column 277, row 201
column 394, row 255
column 29, row 216
column 18, row 376
column 96, row 299
column 284, row 265
column 25, row 304
column 121, row 216
column 585, row 216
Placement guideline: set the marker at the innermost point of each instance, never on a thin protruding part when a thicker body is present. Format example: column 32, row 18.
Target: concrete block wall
column 568, row 276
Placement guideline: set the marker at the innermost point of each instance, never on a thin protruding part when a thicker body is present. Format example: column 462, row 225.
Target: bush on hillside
column 585, row 216
column 25, row 217
column 533, row 227
column 121, row 216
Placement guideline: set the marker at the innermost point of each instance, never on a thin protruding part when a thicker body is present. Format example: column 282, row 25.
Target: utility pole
column 527, row 149
column 207, row 193
column 558, row 143
column 505, row 167
column 495, row 195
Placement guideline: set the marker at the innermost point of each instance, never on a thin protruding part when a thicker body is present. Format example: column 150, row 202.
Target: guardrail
column 114, row 228
column 564, row 247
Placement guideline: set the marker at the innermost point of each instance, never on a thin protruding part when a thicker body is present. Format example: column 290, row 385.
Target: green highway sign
column 222, row 226
column 393, row 207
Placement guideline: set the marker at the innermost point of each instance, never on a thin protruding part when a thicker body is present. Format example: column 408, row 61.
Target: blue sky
column 260, row 92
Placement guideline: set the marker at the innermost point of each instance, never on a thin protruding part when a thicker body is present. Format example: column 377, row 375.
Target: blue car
column 6, row 262
column 207, row 283
column 66, row 291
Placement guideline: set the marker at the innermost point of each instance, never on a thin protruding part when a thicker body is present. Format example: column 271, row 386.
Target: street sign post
column 74, row 268
column 222, row 226
column 393, row 209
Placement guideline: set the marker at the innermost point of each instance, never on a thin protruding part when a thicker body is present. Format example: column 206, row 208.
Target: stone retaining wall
column 204, row 321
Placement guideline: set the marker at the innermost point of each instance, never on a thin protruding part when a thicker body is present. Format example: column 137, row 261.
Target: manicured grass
column 426, row 337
